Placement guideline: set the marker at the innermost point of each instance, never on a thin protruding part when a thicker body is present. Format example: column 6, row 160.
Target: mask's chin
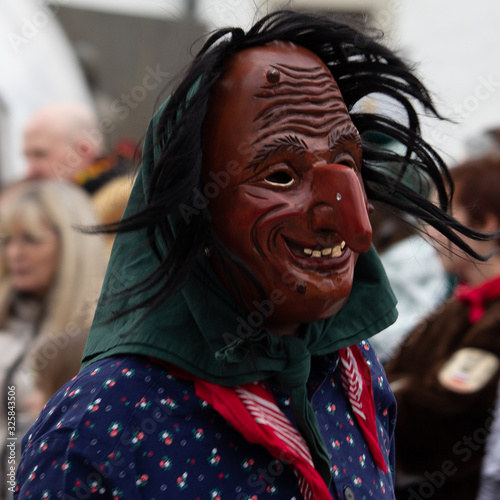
column 294, row 292
column 305, row 298
column 304, row 311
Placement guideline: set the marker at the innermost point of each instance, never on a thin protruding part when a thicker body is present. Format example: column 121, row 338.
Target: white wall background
column 457, row 46
column 38, row 67
column 454, row 43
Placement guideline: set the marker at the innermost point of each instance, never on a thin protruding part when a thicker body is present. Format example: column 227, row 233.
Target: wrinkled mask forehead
column 279, row 87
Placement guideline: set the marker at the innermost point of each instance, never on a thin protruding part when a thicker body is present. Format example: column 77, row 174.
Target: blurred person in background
column 486, row 143
column 50, row 278
column 61, row 141
column 490, row 470
column 64, row 141
column 55, row 359
column 416, row 274
column 446, row 374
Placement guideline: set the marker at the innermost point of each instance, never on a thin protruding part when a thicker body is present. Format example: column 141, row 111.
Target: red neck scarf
column 476, row 296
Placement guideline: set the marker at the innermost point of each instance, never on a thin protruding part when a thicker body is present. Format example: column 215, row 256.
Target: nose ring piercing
column 339, row 196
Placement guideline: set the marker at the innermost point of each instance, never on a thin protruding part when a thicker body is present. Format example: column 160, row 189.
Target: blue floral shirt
column 126, row 428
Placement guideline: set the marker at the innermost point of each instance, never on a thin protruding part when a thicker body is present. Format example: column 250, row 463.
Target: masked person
column 228, row 356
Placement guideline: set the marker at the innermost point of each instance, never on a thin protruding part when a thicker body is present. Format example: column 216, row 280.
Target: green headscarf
column 196, row 329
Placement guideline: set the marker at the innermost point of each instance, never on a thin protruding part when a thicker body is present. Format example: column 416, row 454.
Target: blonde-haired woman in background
column 50, row 277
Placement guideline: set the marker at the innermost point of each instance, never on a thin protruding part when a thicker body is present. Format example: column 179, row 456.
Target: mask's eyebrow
column 287, row 143
column 338, row 136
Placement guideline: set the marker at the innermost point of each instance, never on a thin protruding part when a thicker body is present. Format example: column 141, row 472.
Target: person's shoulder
column 109, row 396
column 114, row 413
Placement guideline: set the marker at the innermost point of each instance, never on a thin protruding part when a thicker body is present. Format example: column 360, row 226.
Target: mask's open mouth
column 305, row 252
column 318, row 256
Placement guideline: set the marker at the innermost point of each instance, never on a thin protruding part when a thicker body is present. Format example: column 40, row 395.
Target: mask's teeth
column 325, row 252
column 337, row 252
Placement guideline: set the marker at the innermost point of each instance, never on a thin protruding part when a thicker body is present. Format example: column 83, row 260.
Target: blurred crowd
column 442, row 356
column 51, row 261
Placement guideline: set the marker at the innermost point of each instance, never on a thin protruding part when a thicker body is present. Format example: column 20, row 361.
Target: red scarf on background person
column 476, row 296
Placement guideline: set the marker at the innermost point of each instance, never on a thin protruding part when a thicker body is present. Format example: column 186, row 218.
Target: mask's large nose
column 341, row 206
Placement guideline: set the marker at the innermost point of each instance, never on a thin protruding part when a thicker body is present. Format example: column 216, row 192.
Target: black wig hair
column 361, row 66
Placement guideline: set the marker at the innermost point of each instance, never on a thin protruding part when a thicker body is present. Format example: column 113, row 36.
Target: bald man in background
column 63, row 141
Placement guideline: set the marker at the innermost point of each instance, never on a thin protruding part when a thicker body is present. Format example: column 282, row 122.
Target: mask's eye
column 347, row 160
column 279, row 178
column 347, row 163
